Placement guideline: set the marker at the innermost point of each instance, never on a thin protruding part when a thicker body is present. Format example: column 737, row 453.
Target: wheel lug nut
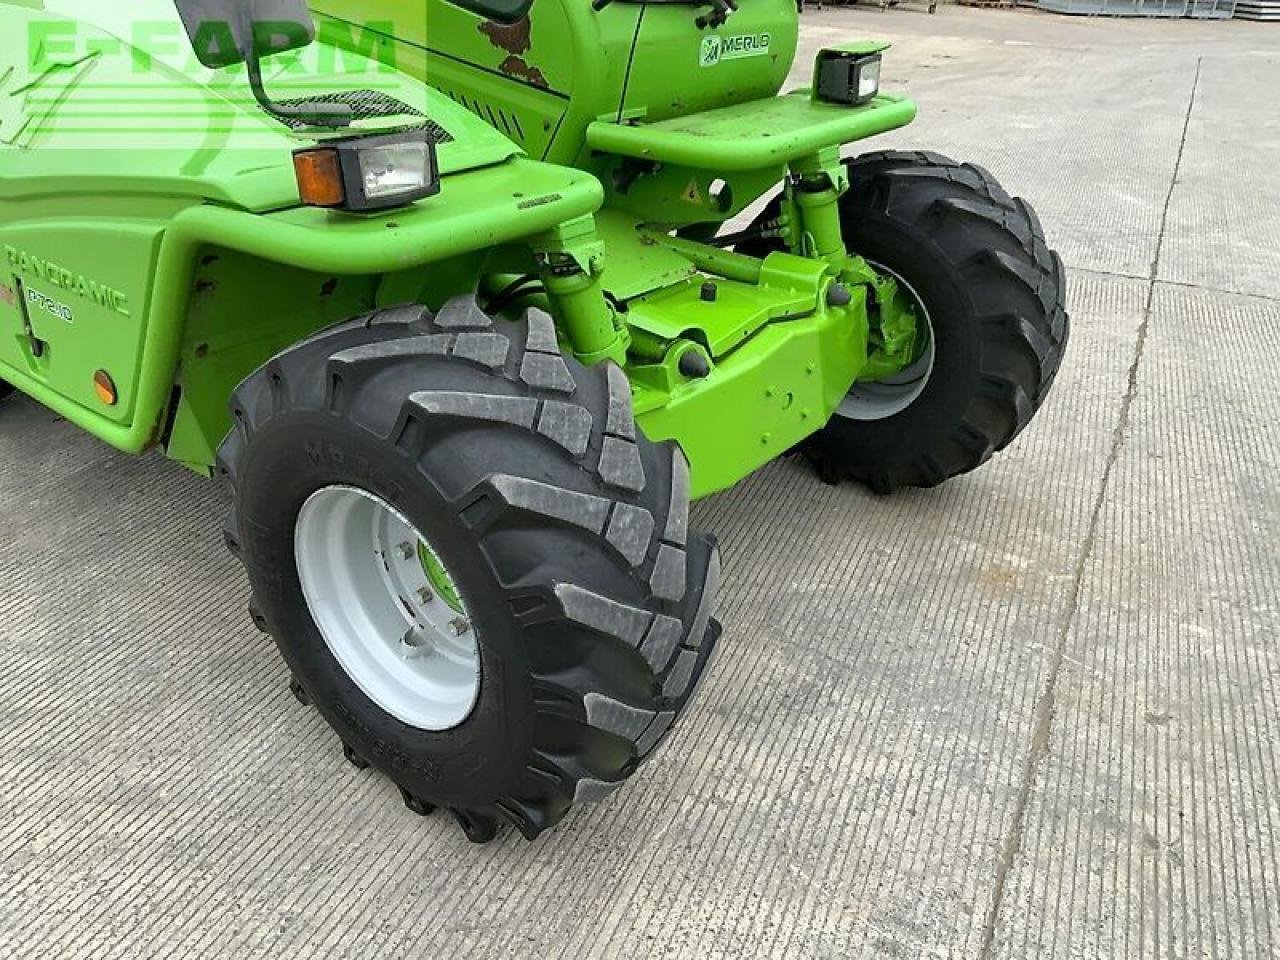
column 406, row 550
column 425, row 595
column 460, row 626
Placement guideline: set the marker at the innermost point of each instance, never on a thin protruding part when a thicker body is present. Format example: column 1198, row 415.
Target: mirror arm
column 311, row 114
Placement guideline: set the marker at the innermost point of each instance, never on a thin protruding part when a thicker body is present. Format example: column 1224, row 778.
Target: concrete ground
column 1034, row 713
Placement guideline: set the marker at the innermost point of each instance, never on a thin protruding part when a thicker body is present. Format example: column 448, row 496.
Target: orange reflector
column 319, row 178
column 105, row 388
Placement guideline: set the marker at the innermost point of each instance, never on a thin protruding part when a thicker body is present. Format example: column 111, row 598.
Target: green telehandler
column 465, row 304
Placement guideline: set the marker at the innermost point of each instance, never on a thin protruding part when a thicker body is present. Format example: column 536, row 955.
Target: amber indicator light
column 105, row 388
column 319, row 178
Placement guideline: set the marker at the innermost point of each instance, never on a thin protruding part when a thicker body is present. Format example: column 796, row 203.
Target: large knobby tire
column 563, row 528
column 977, row 261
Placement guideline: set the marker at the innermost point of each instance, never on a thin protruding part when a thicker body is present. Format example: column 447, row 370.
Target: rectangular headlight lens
column 868, row 79
column 395, row 169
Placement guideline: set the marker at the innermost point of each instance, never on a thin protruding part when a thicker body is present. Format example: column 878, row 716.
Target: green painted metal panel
column 751, row 135
column 82, row 289
column 679, row 70
column 244, row 310
column 780, row 387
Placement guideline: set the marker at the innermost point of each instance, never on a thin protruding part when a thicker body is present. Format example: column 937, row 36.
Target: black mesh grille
column 368, row 105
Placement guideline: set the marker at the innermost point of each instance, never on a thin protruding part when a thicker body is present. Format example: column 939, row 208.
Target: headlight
column 868, row 73
column 368, row 173
column 847, row 77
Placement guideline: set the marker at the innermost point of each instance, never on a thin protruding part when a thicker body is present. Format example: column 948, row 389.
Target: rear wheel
column 476, row 568
column 991, row 294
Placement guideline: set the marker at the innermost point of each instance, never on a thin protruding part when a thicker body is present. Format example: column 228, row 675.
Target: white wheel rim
column 364, row 573
column 881, row 399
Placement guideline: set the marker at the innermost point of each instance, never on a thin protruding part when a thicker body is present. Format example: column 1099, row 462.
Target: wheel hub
column 387, row 607
column 881, row 399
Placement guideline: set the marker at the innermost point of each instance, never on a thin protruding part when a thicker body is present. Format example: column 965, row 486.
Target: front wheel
column 991, row 296
column 476, row 567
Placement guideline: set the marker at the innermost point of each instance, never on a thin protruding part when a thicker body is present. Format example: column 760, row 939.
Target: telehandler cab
column 452, row 298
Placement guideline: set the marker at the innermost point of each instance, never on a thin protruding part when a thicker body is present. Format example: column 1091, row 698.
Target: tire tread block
column 517, row 411
column 487, row 349
column 435, row 345
column 547, row 372
column 630, row 532
column 620, row 422
column 668, row 577
column 665, row 634
column 580, row 509
column 542, row 334
column 612, row 716
column 462, row 313
column 567, row 424
column 681, row 676
column 677, row 531
column 602, row 614
column 620, row 465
